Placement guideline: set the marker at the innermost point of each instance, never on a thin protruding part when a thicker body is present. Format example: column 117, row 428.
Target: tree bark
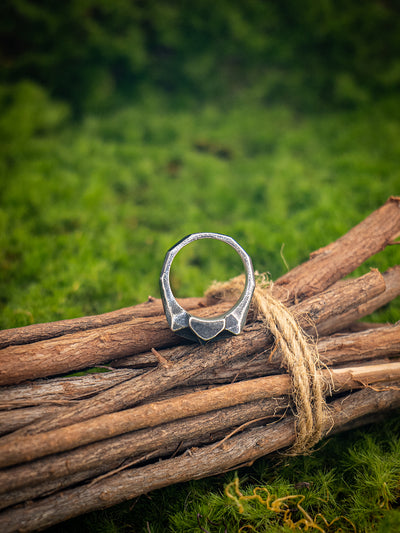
column 363, row 343
column 360, row 346
column 59, row 391
column 338, row 322
column 18, row 418
column 331, row 263
column 50, row 330
column 392, row 281
column 77, row 351
column 81, row 350
column 150, row 415
column 141, row 442
column 206, row 461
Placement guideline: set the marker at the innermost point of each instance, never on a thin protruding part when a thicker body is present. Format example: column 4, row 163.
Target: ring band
column 206, row 329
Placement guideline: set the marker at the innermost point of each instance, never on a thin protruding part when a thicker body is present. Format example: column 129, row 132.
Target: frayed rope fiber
column 299, row 356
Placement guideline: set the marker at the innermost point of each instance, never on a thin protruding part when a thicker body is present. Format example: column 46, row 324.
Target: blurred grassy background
column 126, row 125
column 90, row 208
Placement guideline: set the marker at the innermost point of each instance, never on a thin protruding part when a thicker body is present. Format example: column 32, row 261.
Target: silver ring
column 206, row 329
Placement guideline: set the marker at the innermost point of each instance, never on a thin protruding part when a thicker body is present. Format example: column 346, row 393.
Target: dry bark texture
column 138, row 443
column 206, row 461
column 51, row 330
column 341, row 257
column 150, row 415
column 373, row 343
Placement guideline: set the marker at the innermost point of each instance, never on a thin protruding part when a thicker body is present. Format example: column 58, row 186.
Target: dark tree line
column 94, row 52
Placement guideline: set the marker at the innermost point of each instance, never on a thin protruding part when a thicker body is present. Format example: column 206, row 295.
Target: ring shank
column 205, row 329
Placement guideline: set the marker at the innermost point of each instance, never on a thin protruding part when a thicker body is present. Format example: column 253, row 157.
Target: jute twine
column 299, row 355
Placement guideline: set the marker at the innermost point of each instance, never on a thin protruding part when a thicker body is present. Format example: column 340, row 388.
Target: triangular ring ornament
column 206, row 329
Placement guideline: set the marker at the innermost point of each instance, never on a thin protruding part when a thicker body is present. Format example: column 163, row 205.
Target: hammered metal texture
column 206, row 329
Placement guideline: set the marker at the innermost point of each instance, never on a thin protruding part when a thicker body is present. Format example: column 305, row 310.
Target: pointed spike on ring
column 206, row 329
column 232, row 324
column 203, row 329
column 179, row 321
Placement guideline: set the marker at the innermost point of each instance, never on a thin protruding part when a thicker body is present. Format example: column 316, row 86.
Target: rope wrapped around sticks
column 299, row 356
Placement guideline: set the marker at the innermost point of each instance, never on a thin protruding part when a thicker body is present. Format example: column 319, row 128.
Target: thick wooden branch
column 360, row 346
column 80, row 350
column 331, row 263
column 337, row 322
column 44, row 397
column 15, row 419
column 392, row 281
column 333, row 350
column 237, row 370
column 363, row 326
column 77, row 351
column 25, row 449
column 99, row 472
column 50, row 330
column 61, row 391
column 206, row 461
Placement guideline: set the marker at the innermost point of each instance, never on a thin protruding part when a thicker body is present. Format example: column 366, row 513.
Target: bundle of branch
column 166, row 411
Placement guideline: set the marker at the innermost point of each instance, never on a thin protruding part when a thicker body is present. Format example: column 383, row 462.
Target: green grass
column 89, row 209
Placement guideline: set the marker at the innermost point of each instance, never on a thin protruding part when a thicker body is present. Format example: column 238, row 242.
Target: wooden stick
column 341, row 257
column 45, row 397
column 334, row 349
column 81, row 350
column 14, row 419
column 360, row 346
column 18, row 418
column 136, row 444
column 206, row 461
column 328, row 325
column 149, row 415
column 191, row 360
column 392, row 281
column 88, row 348
column 120, row 447
column 238, row 370
column 62, row 390
column 338, row 322
column 98, row 472
column 362, row 326
column 51, row 330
